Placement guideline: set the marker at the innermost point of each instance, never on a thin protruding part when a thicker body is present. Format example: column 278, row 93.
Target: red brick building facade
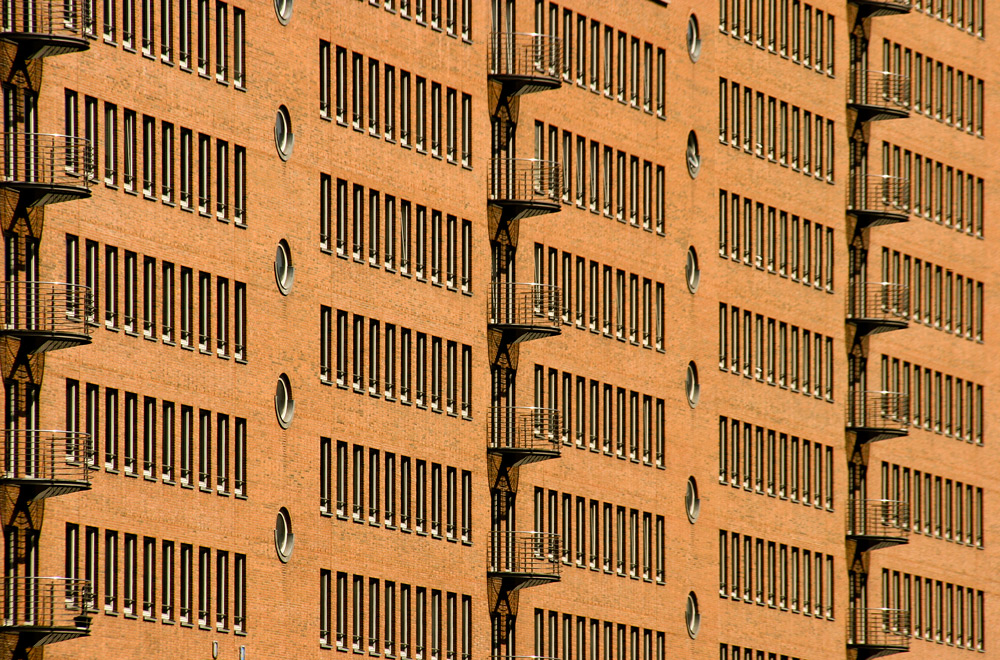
column 448, row 329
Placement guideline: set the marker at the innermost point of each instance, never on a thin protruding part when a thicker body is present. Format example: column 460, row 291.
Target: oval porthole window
column 284, row 405
column 692, row 617
column 693, row 155
column 693, row 38
column 692, row 503
column 284, row 540
column 691, row 271
column 691, row 384
column 284, row 140
column 284, row 274
column 283, row 8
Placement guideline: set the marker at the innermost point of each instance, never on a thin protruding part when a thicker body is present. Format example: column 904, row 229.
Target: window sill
column 127, row 615
column 202, row 626
column 205, row 489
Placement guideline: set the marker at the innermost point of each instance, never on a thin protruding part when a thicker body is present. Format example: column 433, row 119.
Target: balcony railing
column 884, row 7
column 878, row 199
column 48, row 315
column 525, row 556
column 529, row 185
column 878, row 306
column 878, row 629
column 524, row 307
column 878, row 415
column 525, row 433
column 525, row 61
column 45, row 168
column 46, row 27
column 51, row 462
column 880, row 94
column 45, row 609
column 883, row 522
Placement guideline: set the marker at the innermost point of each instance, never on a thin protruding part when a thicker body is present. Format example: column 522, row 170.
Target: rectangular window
column 239, row 63
column 221, row 42
column 203, row 37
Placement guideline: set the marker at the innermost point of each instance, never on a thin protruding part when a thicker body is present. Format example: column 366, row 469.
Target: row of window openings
column 787, row 578
column 629, row 416
column 782, row 466
column 789, row 245
column 603, row 543
column 606, row 639
column 938, row 402
column 164, row 297
column 396, row 242
column 746, row 125
column 615, row 178
column 966, row 15
column 937, row 296
column 412, row 108
column 796, row 31
column 415, row 512
column 940, row 612
column 623, row 68
column 418, row 10
column 350, row 351
column 776, row 357
column 937, row 191
column 642, row 319
column 941, row 508
column 183, row 21
column 177, row 582
column 157, row 423
column 229, row 181
column 345, row 601
column 938, row 91
column 747, row 653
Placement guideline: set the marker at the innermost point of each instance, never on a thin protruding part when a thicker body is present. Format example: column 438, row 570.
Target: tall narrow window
column 221, row 42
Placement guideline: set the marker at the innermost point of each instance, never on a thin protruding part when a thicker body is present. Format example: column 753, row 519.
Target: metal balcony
column 42, row 28
column 883, row 7
column 879, row 95
column 46, row 169
column 522, row 434
column 522, row 311
column 525, row 187
column 44, row 610
column 878, row 306
column 45, row 463
column 875, row 524
column 525, row 62
column 877, row 632
column 524, row 559
column 878, row 415
column 46, row 316
column 878, row 199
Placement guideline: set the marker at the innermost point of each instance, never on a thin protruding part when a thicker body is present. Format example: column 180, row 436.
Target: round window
column 284, row 540
column 691, row 270
column 692, row 503
column 691, row 384
column 284, row 274
column 283, row 8
column 693, row 38
column 284, row 405
column 692, row 617
column 693, row 155
column 284, row 140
